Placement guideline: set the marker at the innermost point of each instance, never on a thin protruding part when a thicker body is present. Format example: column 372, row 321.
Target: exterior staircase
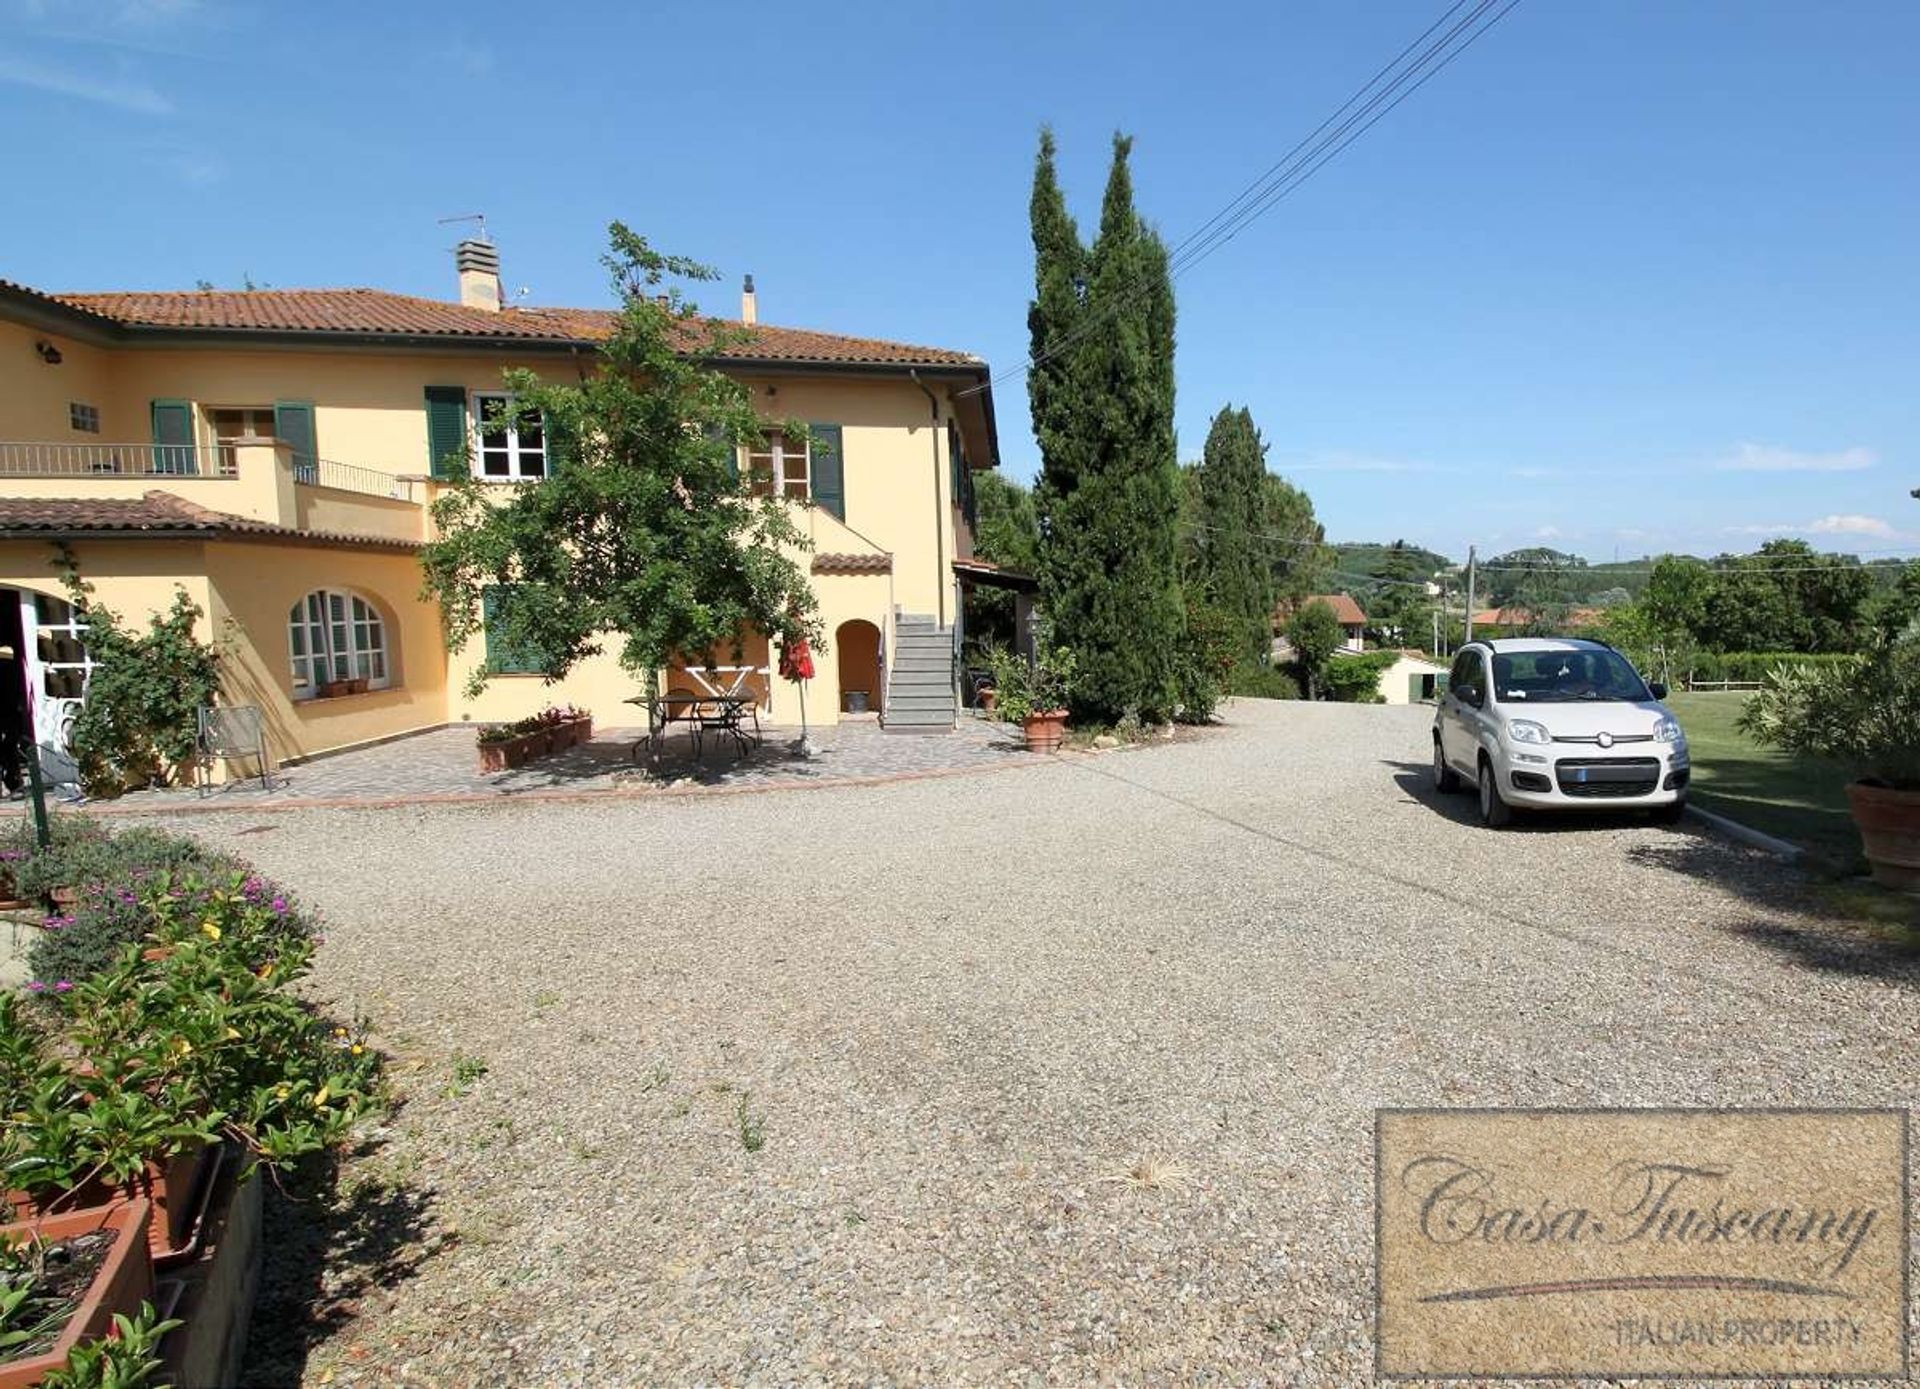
column 920, row 693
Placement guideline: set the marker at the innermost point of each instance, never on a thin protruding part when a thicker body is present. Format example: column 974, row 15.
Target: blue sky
column 1626, row 277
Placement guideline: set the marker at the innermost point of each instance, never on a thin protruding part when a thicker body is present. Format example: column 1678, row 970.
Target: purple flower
column 35, row 986
column 63, row 986
column 280, row 905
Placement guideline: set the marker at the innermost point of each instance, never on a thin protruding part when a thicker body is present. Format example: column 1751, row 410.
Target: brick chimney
column 749, row 303
column 479, row 265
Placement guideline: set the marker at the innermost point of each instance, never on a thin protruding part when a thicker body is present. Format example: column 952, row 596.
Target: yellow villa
column 274, row 454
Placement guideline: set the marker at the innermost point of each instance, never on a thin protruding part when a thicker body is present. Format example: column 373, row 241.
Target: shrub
column 1263, row 682
column 1203, row 662
column 197, row 1033
column 111, row 873
column 1862, row 710
column 1356, row 679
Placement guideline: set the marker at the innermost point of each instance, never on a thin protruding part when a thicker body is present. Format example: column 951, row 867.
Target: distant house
column 1414, row 678
column 1514, row 619
column 1352, row 618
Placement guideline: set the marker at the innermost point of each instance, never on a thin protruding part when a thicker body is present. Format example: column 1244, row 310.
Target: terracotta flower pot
column 1889, row 823
column 124, row 1280
column 168, row 1189
column 1045, row 732
column 988, row 697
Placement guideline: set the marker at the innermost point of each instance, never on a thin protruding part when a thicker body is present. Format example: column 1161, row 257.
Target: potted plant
column 1034, row 694
column 1865, row 714
column 63, row 1280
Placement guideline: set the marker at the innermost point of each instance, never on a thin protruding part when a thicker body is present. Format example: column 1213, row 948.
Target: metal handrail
column 351, row 477
column 115, row 460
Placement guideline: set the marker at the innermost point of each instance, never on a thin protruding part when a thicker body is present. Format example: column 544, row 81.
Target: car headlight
column 1668, row 731
column 1527, row 731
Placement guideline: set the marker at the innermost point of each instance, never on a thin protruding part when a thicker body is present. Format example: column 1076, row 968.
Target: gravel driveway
column 1059, row 1074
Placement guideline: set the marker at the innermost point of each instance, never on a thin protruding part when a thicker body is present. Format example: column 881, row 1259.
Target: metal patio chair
column 231, row 734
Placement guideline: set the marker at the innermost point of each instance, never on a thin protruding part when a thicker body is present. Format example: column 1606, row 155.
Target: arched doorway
column 858, row 646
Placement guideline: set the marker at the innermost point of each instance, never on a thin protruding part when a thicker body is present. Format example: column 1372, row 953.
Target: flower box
column 169, row 1188
column 333, row 689
column 123, row 1280
column 504, row 754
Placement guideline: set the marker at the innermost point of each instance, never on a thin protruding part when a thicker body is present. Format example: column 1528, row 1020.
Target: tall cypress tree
column 1232, row 566
column 1103, row 413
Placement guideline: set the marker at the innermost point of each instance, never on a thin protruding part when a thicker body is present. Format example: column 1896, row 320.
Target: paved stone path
column 443, row 764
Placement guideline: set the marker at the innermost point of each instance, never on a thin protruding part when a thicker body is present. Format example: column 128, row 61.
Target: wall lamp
column 48, row 352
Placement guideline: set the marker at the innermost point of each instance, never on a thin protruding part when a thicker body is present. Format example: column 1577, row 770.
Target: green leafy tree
column 1298, row 555
column 1230, row 561
column 645, row 535
column 1102, row 389
column 1315, row 634
column 1786, row 596
column 1398, row 606
column 1006, row 532
column 140, row 722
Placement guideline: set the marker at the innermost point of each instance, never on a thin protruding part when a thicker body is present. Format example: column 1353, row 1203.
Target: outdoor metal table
column 725, row 714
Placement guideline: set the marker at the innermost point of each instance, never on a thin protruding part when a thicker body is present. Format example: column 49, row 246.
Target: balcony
column 257, row 478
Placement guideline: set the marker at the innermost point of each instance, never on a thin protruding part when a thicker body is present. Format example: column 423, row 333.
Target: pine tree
column 1233, row 569
column 1110, row 481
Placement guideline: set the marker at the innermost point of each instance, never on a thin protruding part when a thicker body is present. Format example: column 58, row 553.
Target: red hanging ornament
column 796, row 660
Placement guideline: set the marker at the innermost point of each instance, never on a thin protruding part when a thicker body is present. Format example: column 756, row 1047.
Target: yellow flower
column 320, row 1097
column 357, row 1049
column 233, row 1034
column 265, row 971
column 182, row 1047
column 280, row 1092
column 209, row 930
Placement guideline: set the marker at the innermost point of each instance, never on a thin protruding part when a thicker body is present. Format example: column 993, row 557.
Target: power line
column 1300, row 163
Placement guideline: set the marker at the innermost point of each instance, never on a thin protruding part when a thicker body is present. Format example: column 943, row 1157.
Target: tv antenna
column 479, row 219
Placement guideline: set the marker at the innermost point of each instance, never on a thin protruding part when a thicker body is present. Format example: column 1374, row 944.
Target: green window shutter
column 293, row 422
column 829, row 465
column 447, row 431
column 504, row 656
column 173, row 437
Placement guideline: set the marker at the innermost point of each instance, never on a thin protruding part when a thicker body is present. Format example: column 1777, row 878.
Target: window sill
column 300, row 700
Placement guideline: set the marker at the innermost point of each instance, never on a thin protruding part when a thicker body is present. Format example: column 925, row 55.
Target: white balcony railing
column 115, row 460
column 351, row 477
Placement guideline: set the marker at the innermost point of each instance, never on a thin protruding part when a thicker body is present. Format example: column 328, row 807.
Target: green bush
column 1862, row 710
column 1356, row 679
column 1262, row 682
column 110, row 872
column 1204, row 662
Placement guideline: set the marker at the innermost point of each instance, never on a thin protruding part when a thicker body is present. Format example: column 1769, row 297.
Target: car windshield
column 1561, row 677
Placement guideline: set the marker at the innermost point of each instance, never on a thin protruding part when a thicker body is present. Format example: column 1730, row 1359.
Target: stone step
column 918, row 724
column 920, row 704
column 918, row 677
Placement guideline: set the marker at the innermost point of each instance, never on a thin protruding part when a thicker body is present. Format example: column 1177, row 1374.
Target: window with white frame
column 779, row 466
column 335, row 635
column 60, row 648
column 509, row 448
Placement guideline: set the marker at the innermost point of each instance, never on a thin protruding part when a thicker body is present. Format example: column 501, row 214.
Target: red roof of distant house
column 378, row 312
column 1350, row 613
column 1520, row 617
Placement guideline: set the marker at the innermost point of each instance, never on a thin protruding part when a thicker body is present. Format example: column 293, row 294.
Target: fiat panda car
column 1557, row 724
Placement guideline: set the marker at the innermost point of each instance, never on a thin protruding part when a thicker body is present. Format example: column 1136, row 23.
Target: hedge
column 1743, row 666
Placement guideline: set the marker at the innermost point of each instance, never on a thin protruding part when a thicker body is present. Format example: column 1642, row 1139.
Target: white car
column 1553, row 724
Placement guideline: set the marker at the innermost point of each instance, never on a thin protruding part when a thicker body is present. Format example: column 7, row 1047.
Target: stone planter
column 504, row 754
column 1045, row 732
column 1889, row 823
column 122, row 1282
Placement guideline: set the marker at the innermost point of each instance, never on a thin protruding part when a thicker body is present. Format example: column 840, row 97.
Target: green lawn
column 1799, row 799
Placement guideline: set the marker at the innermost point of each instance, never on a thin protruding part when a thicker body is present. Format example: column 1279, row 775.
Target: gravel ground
column 1060, row 1075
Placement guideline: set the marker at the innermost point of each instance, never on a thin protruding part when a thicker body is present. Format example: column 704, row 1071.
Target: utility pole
column 1470, row 560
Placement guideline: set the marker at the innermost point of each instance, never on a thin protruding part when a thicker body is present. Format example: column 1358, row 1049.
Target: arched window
column 334, row 635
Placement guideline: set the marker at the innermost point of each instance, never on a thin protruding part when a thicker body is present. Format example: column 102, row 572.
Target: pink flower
column 63, row 986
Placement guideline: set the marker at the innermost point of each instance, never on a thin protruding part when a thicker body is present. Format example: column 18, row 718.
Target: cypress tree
column 1110, row 481
column 1233, row 568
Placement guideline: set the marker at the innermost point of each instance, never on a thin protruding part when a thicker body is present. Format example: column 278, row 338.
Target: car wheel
column 1670, row 814
column 1445, row 779
column 1495, row 813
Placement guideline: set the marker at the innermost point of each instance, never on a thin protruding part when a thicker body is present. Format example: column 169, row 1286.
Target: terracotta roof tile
column 853, row 564
column 377, row 312
column 158, row 514
column 1344, row 608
